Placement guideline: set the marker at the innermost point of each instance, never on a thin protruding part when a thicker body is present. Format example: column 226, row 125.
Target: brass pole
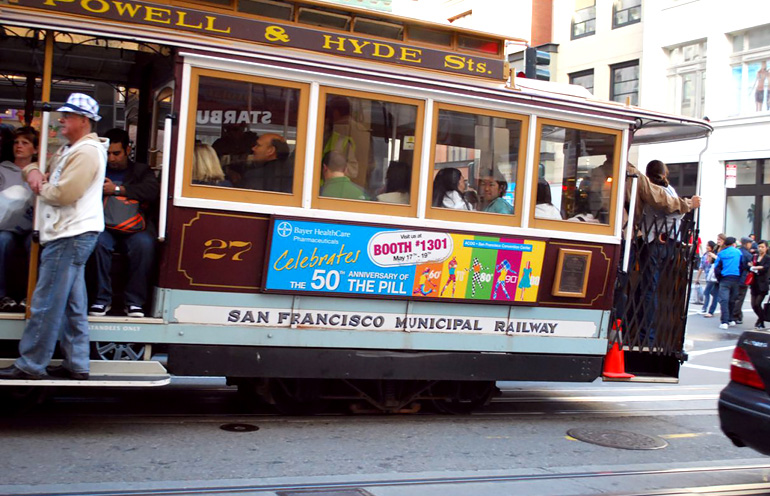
column 45, row 98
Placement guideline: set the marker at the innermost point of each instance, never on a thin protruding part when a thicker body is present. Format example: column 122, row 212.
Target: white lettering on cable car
column 338, row 320
column 234, row 117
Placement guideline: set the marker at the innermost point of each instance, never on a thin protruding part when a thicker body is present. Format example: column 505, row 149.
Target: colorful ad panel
column 325, row 257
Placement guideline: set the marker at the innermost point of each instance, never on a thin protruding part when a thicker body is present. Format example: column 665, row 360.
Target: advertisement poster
column 350, row 259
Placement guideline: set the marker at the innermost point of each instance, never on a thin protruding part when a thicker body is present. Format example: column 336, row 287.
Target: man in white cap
column 70, row 217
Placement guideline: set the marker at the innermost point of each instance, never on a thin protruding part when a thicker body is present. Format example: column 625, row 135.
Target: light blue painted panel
column 364, row 339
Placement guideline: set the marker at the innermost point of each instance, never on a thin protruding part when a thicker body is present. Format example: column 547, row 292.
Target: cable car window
column 576, row 176
column 249, row 136
column 477, row 168
column 368, row 152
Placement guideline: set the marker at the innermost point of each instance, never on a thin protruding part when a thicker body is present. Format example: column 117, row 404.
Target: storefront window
column 741, row 214
column 748, row 203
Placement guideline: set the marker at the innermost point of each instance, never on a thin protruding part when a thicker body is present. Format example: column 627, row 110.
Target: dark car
column 744, row 405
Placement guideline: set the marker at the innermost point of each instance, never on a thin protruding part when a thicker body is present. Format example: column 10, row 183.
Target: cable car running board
column 103, row 374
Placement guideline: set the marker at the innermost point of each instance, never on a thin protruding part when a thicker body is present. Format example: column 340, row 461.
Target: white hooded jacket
column 71, row 201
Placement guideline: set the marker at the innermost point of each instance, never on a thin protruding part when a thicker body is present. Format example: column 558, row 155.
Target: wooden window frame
column 232, row 194
column 488, row 218
column 367, row 206
column 575, row 226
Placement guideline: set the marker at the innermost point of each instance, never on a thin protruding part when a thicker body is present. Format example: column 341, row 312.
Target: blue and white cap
column 79, row 103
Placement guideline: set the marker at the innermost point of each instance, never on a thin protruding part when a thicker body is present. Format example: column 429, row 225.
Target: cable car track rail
column 736, row 489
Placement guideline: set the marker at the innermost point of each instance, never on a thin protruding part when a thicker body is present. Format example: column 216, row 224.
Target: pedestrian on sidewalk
column 706, row 269
column 743, row 288
column 728, row 272
column 760, row 284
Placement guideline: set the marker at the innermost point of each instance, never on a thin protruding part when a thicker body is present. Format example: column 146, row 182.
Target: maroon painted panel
column 601, row 276
column 215, row 251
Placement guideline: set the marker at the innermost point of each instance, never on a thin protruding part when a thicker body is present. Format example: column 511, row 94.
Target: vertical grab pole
column 630, row 224
column 164, row 175
column 34, row 250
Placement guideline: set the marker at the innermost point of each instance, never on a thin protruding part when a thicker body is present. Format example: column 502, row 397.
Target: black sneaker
column 63, row 373
column 98, row 310
column 7, row 304
column 134, row 311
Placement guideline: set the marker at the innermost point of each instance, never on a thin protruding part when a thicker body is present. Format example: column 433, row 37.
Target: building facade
column 700, row 58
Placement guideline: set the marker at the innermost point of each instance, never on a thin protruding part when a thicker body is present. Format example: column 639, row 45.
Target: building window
column 687, row 79
column 625, row 12
column 584, row 79
column 747, row 210
column 584, row 19
column 750, row 75
column 625, row 82
column 684, row 178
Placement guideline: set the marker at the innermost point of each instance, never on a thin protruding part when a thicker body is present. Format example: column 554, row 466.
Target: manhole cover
column 326, row 492
column 239, row 427
column 618, row 439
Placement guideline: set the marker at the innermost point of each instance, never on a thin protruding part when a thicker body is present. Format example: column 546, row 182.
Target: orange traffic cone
column 614, row 363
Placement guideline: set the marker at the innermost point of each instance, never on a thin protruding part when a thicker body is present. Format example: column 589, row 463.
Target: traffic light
column 536, row 64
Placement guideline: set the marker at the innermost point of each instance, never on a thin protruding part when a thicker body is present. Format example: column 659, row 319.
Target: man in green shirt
column 336, row 183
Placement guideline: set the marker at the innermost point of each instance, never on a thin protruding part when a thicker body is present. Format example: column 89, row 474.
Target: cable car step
column 662, row 379
column 104, row 373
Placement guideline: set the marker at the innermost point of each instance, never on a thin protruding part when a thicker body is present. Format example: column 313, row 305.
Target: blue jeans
column 711, row 293
column 59, row 307
column 140, row 250
column 728, row 290
column 11, row 242
column 652, row 261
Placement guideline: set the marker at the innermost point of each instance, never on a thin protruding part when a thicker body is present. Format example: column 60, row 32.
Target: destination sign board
column 278, row 34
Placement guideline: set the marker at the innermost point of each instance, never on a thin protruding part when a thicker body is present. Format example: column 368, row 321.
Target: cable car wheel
column 119, row 351
column 297, row 396
column 462, row 397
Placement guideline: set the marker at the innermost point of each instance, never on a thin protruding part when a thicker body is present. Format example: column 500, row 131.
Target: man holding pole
column 70, row 217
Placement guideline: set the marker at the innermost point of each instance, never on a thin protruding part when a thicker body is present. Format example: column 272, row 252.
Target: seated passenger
column 544, row 209
column 472, row 197
column 336, row 183
column 271, row 171
column 600, row 191
column 492, row 188
column 342, row 133
column 134, row 181
column 397, row 182
column 449, row 185
column 206, row 167
column 234, row 146
column 16, row 235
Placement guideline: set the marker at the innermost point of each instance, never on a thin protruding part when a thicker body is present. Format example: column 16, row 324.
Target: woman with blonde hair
column 206, row 167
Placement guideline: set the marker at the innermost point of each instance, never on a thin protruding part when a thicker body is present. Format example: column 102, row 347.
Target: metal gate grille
column 652, row 298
